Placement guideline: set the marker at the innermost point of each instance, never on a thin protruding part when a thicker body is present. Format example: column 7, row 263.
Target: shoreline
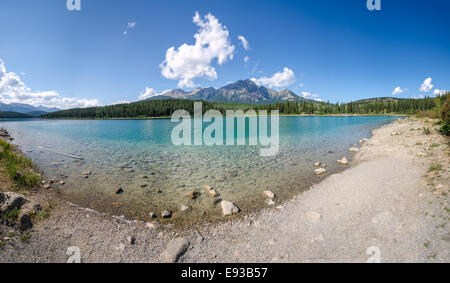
column 209, row 242
column 183, row 222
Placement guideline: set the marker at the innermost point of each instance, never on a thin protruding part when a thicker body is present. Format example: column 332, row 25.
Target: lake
column 120, row 153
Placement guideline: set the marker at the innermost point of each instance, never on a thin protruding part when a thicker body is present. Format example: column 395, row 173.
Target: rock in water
column 320, row 171
column 354, row 149
column 193, row 194
column 166, row 214
column 343, row 161
column 175, row 249
column 317, row 164
column 10, row 201
column 229, row 208
column 269, row 194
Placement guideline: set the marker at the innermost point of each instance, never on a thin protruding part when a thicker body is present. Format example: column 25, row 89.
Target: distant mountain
column 25, row 108
column 243, row 92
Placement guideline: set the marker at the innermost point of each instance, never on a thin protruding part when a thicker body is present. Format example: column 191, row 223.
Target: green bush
column 445, row 116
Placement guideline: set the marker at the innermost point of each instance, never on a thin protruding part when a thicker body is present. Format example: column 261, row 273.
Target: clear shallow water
column 120, row 152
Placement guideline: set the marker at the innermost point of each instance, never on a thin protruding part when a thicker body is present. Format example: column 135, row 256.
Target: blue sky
column 338, row 50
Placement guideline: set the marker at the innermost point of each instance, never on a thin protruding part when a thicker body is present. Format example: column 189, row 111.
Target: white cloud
column 150, row 92
column 398, row 90
column 439, row 92
column 131, row 25
column 309, row 95
column 426, row 86
column 244, row 42
column 14, row 90
column 280, row 79
column 246, row 59
column 120, row 102
column 188, row 62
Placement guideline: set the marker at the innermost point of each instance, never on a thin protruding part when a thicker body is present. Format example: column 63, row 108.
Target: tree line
column 166, row 107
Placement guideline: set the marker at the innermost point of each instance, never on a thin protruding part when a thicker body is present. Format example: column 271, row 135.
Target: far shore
column 281, row 115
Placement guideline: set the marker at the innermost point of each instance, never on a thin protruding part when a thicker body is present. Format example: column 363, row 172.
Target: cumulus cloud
column 309, row 95
column 149, row 93
column 426, row 86
column 188, row 62
column 439, row 92
column 398, row 90
column 280, row 79
column 14, row 90
column 244, row 42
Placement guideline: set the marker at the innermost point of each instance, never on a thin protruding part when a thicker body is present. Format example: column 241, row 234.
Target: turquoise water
column 120, row 152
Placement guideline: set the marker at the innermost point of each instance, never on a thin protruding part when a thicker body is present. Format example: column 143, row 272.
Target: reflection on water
column 138, row 156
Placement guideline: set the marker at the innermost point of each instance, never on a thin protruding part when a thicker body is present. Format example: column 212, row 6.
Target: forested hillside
column 165, row 108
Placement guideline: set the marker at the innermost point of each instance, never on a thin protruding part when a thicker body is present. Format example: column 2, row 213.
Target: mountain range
column 243, row 92
column 26, row 109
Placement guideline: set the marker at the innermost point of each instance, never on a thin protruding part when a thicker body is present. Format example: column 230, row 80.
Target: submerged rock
column 229, row 208
column 354, row 149
column 174, row 250
column 343, row 161
column 166, row 214
column 320, row 171
column 192, row 194
column 185, row 208
column 269, row 194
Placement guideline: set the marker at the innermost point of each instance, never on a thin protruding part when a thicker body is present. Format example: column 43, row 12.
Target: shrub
column 445, row 116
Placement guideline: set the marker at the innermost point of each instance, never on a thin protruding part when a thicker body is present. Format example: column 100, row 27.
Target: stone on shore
column 119, row 191
column 229, row 208
column 24, row 221
column 313, row 217
column 86, row 173
column 354, row 149
column 270, row 201
column 10, row 201
column 320, row 171
column 317, row 164
column 343, row 161
column 269, row 194
column 152, row 215
column 174, row 250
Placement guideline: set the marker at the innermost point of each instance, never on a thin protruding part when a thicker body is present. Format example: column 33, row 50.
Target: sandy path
column 384, row 200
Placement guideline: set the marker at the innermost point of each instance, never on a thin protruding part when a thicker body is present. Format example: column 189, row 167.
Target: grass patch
column 25, row 237
column 435, row 145
column 419, row 143
column 45, row 212
column 19, row 168
column 2, row 244
column 435, row 167
column 427, row 131
column 12, row 215
column 426, row 244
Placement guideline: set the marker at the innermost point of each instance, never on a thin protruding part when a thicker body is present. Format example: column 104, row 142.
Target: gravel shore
column 390, row 205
